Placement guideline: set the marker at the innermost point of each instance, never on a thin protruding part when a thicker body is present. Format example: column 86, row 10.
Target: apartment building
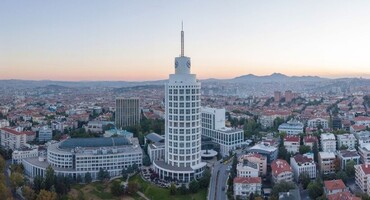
column 328, row 142
column 281, row 171
column 326, row 162
column 301, row 164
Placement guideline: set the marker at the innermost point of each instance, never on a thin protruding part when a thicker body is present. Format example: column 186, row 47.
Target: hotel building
column 77, row 156
column 182, row 124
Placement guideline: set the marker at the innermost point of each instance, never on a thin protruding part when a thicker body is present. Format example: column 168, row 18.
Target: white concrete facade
column 78, row 160
column 12, row 139
column 347, row 140
column 300, row 164
column 213, row 126
column 182, row 124
column 328, row 142
column 19, row 155
column 316, row 122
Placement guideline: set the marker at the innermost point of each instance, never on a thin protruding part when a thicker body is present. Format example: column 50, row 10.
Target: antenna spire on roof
column 182, row 39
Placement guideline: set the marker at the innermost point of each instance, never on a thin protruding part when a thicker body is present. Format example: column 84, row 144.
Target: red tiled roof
column 291, row 138
column 362, row 118
column 358, row 127
column 28, row 132
column 302, row 159
column 12, row 131
column 343, row 196
column 279, row 166
column 257, row 155
column 310, row 139
column 247, row 180
column 334, row 185
column 365, row 168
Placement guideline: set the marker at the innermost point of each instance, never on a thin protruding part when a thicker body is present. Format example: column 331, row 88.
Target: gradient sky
column 138, row 40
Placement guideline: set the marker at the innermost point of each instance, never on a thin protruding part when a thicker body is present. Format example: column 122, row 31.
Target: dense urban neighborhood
column 57, row 140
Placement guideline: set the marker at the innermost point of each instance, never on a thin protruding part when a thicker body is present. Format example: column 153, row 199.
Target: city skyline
column 134, row 41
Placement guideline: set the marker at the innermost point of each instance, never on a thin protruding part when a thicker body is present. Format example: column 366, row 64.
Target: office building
column 19, row 155
column 182, row 124
column 348, row 155
column 264, row 149
column 288, row 96
column 213, row 126
column 45, row 134
column 277, row 96
column 127, row 112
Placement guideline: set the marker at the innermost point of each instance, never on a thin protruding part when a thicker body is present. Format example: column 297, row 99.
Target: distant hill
column 275, row 77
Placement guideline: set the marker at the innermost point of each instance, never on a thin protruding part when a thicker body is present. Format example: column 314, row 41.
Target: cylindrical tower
column 182, row 124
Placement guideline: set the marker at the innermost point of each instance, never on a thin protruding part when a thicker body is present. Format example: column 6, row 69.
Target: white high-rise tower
column 182, row 125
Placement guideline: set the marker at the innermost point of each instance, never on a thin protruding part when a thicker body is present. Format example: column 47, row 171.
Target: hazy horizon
column 165, row 78
column 138, row 40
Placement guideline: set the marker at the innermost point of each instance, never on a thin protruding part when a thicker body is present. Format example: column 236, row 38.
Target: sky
column 138, row 40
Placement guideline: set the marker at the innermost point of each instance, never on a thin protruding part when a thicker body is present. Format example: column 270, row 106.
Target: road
column 218, row 181
column 219, row 177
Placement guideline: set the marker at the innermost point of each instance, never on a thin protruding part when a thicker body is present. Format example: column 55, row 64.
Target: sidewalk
column 142, row 195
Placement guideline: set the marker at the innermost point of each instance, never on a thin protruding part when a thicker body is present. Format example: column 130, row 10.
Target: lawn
column 96, row 191
column 154, row 192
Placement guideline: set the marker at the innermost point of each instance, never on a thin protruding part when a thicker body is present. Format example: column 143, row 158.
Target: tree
column 46, row 195
column 28, row 193
column 350, row 168
column 337, row 164
column 79, row 178
column 146, row 160
column 38, row 183
column 315, row 151
column 315, row 190
column 49, row 177
column 4, row 192
column 193, row 186
column 124, row 174
column 135, row 167
column 16, row 180
column 103, row 175
column 282, row 186
column 132, row 187
column 183, row 189
column 341, row 175
column 204, row 181
column 304, row 179
column 304, row 149
column 277, row 122
column 116, row 188
column 173, row 189
column 2, row 163
column 88, row 177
